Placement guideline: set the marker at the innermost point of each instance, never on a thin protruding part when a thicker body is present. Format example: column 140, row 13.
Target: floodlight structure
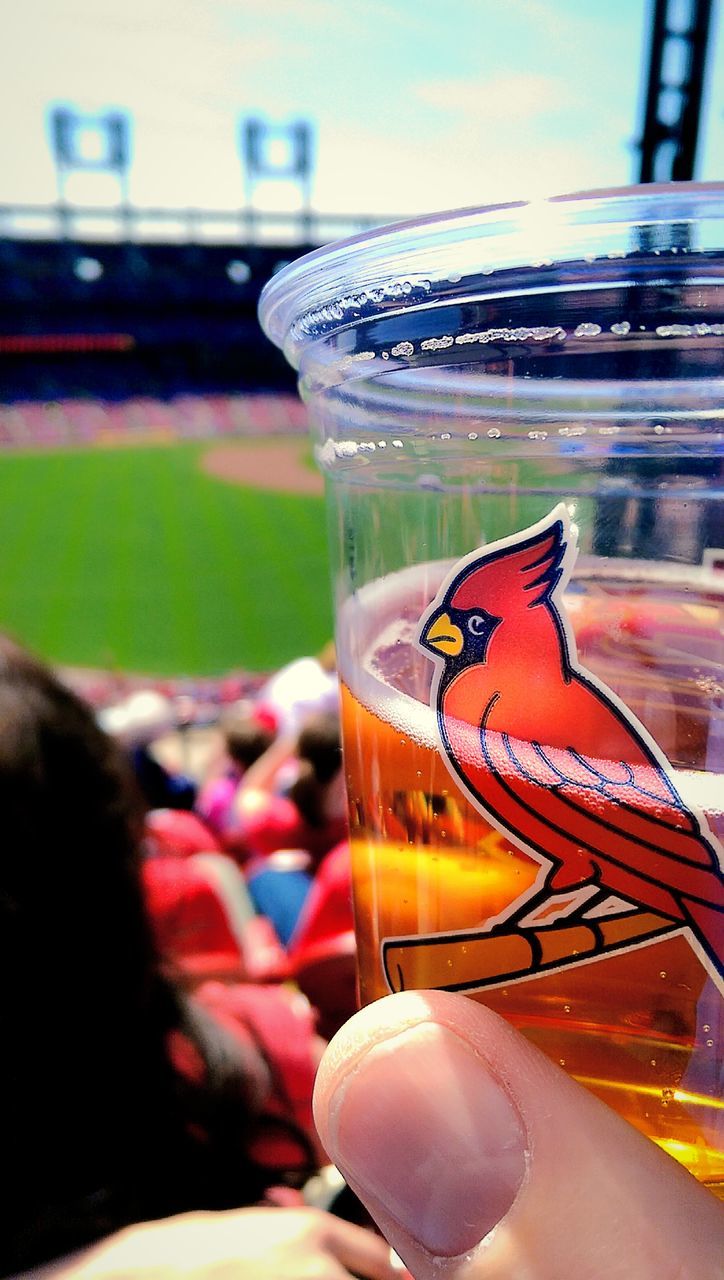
column 279, row 151
column 89, row 143
column 672, row 108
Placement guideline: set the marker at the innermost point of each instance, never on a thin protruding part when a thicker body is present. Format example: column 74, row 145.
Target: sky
column 416, row 105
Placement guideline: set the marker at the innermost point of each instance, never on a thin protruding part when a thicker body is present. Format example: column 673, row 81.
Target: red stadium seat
column 322, row 953
column 204, row 924
column 176, row 833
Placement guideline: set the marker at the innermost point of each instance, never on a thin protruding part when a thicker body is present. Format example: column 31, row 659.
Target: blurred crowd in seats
column 247, row 866
column 177, row 967
column 76, row 421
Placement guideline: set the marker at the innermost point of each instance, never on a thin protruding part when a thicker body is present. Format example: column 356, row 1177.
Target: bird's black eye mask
column 480, row 624
column 477, row 627
column 459, row 636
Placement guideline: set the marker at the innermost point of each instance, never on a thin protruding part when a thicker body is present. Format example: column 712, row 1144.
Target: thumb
column 480, row 1159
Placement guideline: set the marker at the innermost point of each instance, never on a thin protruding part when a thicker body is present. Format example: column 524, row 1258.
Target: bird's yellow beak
column 444, row 636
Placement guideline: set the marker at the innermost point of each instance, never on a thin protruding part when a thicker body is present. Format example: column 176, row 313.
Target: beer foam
column 377, row 629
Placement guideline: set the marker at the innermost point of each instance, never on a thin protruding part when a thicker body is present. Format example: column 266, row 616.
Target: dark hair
column 99, row 1127
column 319, row 750
column 246, row 739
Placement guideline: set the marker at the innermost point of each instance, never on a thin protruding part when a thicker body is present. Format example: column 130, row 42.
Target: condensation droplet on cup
column 663, row 974
column 472, row 435
column 621, row 327
column 566, row 1008
column 710, row 1044
column 397, row 444
column 706, row 1028
column 587, row 330
column 494, row 433
column 562, row 1061
column 667, row 1096
column 445, row 435
column 653, row 1062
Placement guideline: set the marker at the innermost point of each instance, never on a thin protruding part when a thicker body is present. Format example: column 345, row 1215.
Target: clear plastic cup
column 518, row 411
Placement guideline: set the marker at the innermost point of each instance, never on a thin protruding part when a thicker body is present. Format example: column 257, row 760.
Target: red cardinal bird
column 549, row 754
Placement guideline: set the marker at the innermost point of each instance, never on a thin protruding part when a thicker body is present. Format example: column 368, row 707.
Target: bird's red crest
column 514, row 573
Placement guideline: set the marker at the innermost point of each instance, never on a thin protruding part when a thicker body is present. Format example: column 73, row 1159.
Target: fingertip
column 389, row 1017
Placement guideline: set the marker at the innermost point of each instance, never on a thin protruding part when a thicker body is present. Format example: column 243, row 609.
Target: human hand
column 481, row 1160
column 258, row 1244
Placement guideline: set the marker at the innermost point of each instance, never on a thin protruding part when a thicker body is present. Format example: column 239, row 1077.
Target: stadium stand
column 59, row 423
column 111, row 320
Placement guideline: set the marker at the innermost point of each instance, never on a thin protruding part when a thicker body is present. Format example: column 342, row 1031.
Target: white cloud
column 500, row 98
column 399, row 175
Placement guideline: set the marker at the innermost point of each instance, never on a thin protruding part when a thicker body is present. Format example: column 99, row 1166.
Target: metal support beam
column 677, row 61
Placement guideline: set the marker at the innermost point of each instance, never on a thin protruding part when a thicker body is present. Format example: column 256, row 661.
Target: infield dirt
column 278, row 465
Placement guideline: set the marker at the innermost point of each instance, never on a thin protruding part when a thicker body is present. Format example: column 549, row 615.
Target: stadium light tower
column 672, row 108
column 277, row 151
column 89, row 143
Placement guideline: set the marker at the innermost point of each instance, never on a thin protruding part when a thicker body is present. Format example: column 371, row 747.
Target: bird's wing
column 629, row 815
column 623, row 824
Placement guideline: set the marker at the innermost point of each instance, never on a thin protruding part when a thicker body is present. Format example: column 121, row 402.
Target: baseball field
column 173, row 559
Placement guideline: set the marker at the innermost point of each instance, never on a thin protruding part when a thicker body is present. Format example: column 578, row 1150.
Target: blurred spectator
column 301, row 689
column 294, row 796
column 136, row 722
column 282, row 838
column 247, row 734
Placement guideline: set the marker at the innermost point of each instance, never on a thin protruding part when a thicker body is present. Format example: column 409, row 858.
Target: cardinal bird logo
column 556, row 762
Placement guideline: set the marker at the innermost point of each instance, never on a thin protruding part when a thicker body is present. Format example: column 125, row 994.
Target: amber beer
column 639, row 1025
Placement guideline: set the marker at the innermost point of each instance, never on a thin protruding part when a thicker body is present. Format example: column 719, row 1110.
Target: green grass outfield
column 134, row 558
